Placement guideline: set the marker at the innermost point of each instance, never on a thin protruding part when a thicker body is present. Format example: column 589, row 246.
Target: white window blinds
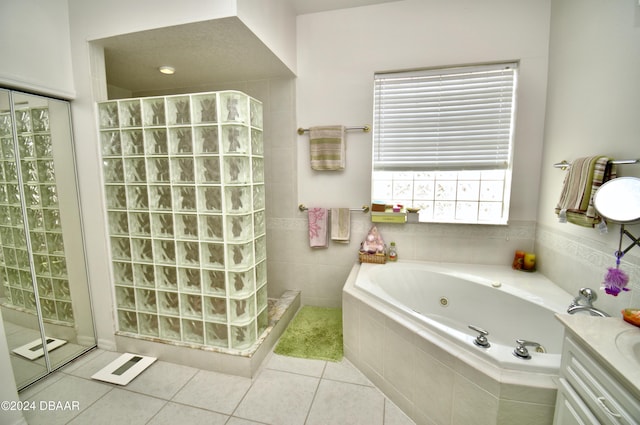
column 457, row 118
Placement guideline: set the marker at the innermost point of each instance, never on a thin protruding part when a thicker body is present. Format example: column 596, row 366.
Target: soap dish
column 631, row 315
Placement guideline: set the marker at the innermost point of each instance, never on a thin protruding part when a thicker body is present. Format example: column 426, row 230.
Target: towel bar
column 364, row 128
column 364, row 208
column 563, row 165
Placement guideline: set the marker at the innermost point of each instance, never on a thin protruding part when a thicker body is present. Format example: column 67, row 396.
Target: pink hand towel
column 318, row 228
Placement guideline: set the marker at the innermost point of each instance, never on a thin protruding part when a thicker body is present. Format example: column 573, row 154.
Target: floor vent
column 122, row 370
column 33, row 350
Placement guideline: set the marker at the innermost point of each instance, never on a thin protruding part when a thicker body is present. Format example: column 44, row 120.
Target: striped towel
column 327, row 148
column 584, row 177
column 340, row 225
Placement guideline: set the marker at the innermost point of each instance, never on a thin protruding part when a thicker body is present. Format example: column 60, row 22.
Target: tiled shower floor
column 286, row 391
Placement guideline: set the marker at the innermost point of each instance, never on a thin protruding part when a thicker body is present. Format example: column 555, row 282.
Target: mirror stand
column 636, row 241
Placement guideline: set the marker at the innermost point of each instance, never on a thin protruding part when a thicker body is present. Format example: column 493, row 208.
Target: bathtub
column 408, row 319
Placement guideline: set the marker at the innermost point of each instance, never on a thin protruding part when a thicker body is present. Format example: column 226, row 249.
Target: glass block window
column 443, row 142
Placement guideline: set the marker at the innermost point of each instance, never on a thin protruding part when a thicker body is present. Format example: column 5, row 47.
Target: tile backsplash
column 321, row 273
column 577, row 262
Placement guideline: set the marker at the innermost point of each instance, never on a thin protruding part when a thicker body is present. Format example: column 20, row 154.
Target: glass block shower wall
column 28, row 175
column 185, row 198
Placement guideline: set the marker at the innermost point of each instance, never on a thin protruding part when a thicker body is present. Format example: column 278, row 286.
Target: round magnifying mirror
column 618, row 200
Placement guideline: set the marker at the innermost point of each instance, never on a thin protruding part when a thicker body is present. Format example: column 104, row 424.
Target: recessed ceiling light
column 167, row 69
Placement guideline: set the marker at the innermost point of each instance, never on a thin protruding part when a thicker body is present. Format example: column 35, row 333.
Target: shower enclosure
column 184, row 184
column 44, row 296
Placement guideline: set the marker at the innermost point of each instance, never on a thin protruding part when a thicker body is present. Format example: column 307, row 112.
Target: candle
column 529, row 261
column 518, row 260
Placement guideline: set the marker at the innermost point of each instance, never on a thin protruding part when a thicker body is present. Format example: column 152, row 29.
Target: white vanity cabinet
column 589, row 393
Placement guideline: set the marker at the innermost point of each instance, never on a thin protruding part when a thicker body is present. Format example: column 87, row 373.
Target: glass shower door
column 44, row 296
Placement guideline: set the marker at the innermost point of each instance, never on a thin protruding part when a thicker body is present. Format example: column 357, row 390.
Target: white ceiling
column 204, row 54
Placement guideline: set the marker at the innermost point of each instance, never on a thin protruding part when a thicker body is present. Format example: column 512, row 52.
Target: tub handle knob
column 521, row 349
column 481, row 340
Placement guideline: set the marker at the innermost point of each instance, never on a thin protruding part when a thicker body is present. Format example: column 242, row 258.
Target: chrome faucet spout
column 586, row 296
column 573, row 309
column 584, row 302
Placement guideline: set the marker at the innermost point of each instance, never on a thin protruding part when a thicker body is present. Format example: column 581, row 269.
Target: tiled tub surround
column 577, row 261
column 320, row 274
column 185, row 198
column 436, row 380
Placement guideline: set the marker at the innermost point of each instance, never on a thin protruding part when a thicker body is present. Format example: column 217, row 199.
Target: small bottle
column 393, row 252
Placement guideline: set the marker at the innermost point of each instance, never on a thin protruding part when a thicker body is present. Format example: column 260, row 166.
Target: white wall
column 338, row 53
column 593, row 106
column 36, row 57
column 95, row 19
column 35, row 48
column 274, row 23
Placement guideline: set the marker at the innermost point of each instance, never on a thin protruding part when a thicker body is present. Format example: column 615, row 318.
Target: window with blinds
column 443, row 141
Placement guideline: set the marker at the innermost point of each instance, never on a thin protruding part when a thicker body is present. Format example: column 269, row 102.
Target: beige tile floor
column 286, row 391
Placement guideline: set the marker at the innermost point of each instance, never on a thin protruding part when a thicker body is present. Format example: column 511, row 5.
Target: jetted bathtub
column 406, row 326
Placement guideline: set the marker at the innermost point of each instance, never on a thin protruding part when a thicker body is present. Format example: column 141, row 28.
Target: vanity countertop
column 599, row 335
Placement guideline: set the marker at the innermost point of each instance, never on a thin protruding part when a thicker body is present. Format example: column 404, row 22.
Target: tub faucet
column 521, row 349
column 481, row 340
column 584, row 302
column 573, row 309
column 586, row 296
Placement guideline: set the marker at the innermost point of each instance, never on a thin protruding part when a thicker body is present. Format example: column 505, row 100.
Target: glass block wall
column 28, row 175
column 185, row 198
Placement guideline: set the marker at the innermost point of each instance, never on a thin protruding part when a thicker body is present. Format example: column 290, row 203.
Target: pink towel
column 318, row 228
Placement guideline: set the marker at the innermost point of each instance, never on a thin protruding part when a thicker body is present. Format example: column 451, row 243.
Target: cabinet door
column 611, row 403
column 570, row 410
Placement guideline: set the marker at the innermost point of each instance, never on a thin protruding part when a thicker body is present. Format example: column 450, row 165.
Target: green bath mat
column 315, row 333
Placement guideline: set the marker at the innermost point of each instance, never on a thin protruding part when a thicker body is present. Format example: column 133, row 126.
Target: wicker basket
column 372, row 258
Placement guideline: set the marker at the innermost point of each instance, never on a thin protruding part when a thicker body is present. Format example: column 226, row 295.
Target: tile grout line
column 323, row 375
column 115, row 386
column 183, row 386
column 231, row 415
column 315, row 393
column 156, row 414
column 124, row 388
column 384, row 409
column 170, row 400
column 88, row 407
